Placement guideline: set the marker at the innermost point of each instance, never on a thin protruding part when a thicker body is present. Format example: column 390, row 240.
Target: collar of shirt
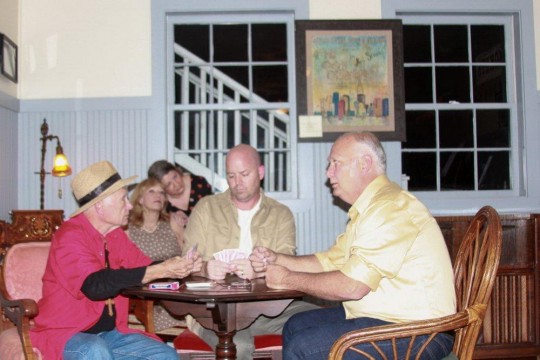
column 363, row 201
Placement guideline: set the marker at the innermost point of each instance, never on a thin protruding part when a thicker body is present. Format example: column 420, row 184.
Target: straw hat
column 95, row 183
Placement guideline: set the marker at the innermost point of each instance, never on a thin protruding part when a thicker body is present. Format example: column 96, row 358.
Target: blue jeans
column 311, row 334
column 110, row 345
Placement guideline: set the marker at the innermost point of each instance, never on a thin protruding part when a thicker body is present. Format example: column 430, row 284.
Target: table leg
column 225, row 348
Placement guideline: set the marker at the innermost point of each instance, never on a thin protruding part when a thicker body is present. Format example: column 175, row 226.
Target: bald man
column 242, row 217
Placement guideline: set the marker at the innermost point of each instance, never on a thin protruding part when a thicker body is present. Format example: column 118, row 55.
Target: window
column 233, row 84
column 461, row 109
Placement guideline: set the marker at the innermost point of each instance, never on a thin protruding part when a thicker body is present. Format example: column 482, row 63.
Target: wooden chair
column 24, row 248
column 475, row 269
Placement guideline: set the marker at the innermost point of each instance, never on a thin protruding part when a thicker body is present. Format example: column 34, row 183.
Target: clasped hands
column 217, row 269
column 260, row 263
column 263, row 260
column 243, row 268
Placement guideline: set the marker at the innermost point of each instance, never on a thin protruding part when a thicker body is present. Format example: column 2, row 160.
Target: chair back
column 22, row 270
column 475, row 269
column 24, row 250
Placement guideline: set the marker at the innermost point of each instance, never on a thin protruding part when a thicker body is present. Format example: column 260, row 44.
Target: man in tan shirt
column 240, row 218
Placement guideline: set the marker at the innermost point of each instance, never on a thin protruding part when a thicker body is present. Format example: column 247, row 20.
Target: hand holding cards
column 229, row 255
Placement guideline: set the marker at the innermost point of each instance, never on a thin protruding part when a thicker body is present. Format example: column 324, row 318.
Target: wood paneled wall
column 511, row 326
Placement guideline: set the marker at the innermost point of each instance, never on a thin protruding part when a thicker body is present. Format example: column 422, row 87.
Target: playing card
column 229, row 255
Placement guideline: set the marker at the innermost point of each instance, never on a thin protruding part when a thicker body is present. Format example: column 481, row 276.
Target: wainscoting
column 511, row 327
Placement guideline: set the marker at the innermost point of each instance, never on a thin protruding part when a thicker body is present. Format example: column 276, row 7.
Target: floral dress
column 159, row 244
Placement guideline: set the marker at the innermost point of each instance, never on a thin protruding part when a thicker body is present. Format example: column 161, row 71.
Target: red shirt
column 77, row 250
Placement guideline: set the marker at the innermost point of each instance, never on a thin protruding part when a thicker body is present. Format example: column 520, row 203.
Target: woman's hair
column 136, row 215
column 161, row 168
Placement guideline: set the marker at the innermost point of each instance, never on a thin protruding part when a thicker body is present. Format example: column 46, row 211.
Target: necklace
column 150, row 229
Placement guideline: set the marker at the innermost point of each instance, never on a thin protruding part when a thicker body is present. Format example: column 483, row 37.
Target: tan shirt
column 393, row 245
column 213, row 224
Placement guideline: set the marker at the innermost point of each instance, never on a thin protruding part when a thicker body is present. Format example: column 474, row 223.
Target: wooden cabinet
column 511, row 327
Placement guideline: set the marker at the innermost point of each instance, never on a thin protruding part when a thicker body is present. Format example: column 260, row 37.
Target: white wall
column 101, row 48
column 85, row 49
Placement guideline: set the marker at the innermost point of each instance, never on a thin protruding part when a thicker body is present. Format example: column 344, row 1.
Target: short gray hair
column 373, row 145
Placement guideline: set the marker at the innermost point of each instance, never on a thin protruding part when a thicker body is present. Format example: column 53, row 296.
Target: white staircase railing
column 214, row 114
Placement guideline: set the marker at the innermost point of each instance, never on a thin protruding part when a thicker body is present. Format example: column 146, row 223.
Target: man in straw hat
column 81, row 314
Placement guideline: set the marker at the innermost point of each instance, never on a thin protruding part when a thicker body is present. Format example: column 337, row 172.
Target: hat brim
column 111, row 189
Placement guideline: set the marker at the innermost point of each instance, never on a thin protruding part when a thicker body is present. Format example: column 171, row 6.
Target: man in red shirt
column 82, row 314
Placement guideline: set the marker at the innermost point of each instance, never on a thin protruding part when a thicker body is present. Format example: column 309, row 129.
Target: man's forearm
column 331, row 285
column 305, row 263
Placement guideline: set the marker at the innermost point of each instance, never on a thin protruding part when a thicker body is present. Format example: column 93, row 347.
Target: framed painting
column 8, row 58
column 350, row 78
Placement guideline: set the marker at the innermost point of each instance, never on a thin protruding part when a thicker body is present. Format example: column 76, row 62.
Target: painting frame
column 347, row 51
column 8, row 58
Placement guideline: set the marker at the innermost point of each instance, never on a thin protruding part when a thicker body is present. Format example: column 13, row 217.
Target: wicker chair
column 475, row 269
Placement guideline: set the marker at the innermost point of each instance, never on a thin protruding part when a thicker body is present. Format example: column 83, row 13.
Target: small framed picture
column 8, row 58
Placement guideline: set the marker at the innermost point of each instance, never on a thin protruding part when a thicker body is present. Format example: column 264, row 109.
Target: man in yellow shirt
column 391, row 264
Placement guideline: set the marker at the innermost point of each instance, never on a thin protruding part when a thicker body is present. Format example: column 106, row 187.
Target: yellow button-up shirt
column 393, row 245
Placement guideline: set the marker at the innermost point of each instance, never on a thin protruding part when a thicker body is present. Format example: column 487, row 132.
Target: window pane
column 493, row 128
column 203, row 128
column 487, row 42
column 240, row 74
column 417, row 43
column 489, row 84
column 226, row 50
column 191, row 92
column 456, row 129
column 270, row 83
column 457, row 171
column 234, row 72
column 452, row 84
column 420, row 128
column 195, row 38
column 421, row 169
column 451, row 43
column 269, row 42
column 197, row 126
column 494, row 170
column 418, row 85
column 458, row 82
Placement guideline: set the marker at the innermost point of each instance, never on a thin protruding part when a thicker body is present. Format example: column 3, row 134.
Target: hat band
column 98, row 190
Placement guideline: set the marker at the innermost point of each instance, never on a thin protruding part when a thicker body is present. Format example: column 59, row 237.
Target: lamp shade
column 60, row 164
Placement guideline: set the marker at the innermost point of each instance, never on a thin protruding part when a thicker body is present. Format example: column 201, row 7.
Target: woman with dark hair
column 183, row 190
